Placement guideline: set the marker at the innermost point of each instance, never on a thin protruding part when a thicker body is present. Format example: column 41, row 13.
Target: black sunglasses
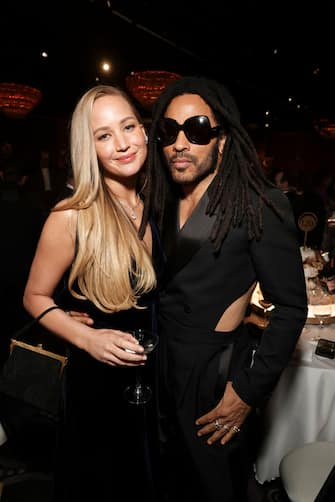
column 197, row 130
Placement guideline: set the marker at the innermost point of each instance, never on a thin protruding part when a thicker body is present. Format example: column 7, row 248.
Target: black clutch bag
column 32, row 374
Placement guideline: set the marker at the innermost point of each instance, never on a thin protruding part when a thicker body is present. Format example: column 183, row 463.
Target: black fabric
column 103, row 440
column 194, row 366
column 196, row 231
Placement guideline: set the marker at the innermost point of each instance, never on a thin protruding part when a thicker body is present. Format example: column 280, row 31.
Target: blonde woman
column 102, row 244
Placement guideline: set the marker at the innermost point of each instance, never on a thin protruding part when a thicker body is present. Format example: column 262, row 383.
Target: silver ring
column 226, row 428
column 218, row 426
column 235, row 428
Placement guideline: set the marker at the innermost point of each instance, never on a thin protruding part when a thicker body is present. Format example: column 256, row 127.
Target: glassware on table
column 140, row 393
column 321, row 304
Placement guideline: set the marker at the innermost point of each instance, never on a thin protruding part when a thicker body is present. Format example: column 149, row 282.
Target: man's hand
column 226, row 419
column 80, row 317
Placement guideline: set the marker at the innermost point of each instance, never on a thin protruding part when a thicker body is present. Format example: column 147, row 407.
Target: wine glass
column 321, row 304
column 139, row 393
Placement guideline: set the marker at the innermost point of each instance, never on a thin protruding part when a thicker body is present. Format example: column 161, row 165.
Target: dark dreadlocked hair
column 239, row 170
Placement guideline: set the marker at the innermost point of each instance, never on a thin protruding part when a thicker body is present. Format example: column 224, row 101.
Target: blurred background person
column 13, row 172
column 305, row 199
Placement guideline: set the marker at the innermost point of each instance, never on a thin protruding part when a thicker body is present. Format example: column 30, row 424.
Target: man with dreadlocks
column 225, row 227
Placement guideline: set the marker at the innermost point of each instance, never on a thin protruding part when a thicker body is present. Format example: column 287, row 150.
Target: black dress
column 105, row 444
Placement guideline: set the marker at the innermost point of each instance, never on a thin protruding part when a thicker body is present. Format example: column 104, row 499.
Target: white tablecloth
column 302, row 407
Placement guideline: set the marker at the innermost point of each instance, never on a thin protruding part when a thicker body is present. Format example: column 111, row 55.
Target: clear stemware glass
column 321, row 304
column 140, row 393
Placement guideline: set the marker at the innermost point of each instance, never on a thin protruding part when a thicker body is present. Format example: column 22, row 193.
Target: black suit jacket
column 200, row 285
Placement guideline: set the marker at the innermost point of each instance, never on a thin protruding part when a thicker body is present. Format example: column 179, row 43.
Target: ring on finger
column 226, row 428
column 218, row 425
column 235, row 429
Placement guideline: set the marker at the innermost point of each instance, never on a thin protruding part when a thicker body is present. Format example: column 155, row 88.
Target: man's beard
column 204, row 169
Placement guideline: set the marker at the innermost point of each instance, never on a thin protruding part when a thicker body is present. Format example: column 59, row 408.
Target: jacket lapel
column 181, row 245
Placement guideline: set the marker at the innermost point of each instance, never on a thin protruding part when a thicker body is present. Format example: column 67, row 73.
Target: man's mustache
column 181, row 155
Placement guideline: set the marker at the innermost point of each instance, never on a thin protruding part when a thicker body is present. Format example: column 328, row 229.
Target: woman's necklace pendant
column 131, row 210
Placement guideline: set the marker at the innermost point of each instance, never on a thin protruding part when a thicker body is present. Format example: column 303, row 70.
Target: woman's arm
column 54, row 255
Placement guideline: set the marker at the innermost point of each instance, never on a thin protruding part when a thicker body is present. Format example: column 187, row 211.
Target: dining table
column 301, row 408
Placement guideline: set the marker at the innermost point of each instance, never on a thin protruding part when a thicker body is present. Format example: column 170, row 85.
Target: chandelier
column 325, row 128
column 17, row 100
column 147, row 85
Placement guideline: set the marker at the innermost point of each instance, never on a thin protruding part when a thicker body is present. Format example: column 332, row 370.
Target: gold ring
column 235, row 428
column 218, row 426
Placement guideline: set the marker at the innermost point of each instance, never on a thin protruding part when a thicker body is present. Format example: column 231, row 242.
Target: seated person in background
column 68, row 188
column 13, row 172
column 20, row 227
column 328, row 243
column 279, row 177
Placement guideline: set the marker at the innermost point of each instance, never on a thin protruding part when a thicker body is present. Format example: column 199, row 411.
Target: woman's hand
column 114, row 347
column 110, row 346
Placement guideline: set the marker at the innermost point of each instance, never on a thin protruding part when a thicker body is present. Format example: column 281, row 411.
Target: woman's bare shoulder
column 62, row 220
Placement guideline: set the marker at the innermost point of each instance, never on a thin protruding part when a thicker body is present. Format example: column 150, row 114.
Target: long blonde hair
column 111, row 266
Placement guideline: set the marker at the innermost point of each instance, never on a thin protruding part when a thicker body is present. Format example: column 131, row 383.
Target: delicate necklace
column 130, row 208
